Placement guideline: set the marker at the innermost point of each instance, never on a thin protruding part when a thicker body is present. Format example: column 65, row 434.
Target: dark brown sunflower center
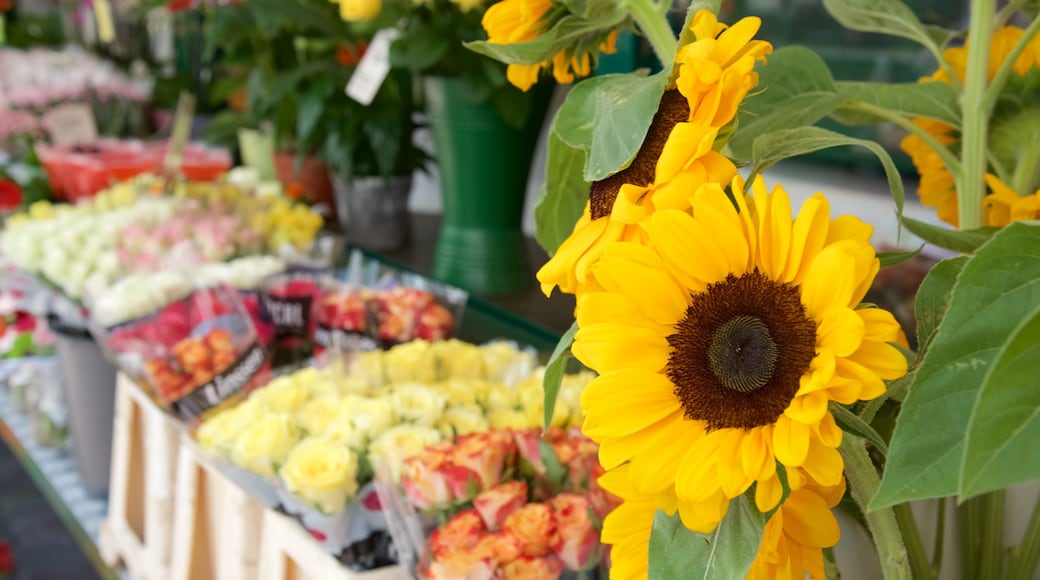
column 738, row 353
column 742, row 354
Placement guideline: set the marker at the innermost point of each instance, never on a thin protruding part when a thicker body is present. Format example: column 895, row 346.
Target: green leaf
column 1001, row 447
column 420, row 49
column 554, row 371
column 608, row 117
column 563, row 196
column 727, row 552
column 311, row 107
column 852, row 423
column 889, row 259
column 890, row 17
column 999, row 283
column 933, row 295
column 934, row 100
column 555, row 473
column 563, row 35
column 795, row 89
column 966, row 241
column 778, row 145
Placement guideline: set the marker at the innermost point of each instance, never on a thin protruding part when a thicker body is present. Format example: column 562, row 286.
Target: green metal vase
column 484, row 165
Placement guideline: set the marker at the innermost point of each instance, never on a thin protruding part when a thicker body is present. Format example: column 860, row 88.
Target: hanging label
column 223, row 386
column 160, row 31
column 106, row 29
column 70, row 124
column 290, row 314
column 373, row 68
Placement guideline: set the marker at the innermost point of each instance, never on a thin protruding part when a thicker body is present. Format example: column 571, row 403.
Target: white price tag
column 373, row 68
column 70, row 124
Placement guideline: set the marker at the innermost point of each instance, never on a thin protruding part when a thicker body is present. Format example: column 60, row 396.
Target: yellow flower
column 507, row 364
column 462, row 419
column 322, row 473
column 716, row 69
column 389, row 451
column 533, row 400
column 468, row 5
column 412, row 361
column 721, row 343
column 284, row 393
column 1004, row 206
column 500, row 396
column 418, row 404
column 372, row 416
column 677, row 154
column 317, row 414
column 627, row 528
column 265, row 443
column 504, row 418
column 359, row 10
column 460, row 360
column 796, row 534
column 218, row 432
column 936, row 188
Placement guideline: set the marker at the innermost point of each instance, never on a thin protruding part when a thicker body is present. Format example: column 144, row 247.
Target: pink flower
column 577, row 544
column 496, row 503
column 527, row 443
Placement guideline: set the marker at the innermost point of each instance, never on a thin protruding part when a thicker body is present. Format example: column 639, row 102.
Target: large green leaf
column 795, row 88
column 890, row 17
column 563, row 35
column 1001, row 448
column 934, row 100
column 564, row 195
column 608, row 117
column 998, row 285
column 773, row 147
column 554, row 371
column 957, row 240
column 727, row 552
column 933, row 295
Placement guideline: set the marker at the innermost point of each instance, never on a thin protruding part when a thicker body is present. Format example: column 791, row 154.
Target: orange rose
column 485, row 454
column 498, row 502
column 460, row 566
column 531, row 568
column 577, row 542
column 527, row 443
column 535, row 526
column 499, row 548
column 460, row 534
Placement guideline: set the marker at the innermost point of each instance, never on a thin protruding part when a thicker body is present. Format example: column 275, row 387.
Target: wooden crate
column 288, row 552
column 145, row 443
column 217, row 525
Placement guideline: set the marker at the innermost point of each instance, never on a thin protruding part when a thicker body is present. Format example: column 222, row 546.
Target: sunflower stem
column 1027, row 554
column 975, row 125
column 863, row 483
column 944, row 153
column 1000, row 79
column 919, row 564
column 992, row 532
column 940, row 533
column 655, row 28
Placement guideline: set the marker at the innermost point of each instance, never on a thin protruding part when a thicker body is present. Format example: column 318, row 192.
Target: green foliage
column 978, row 341
column 563, row 195
column 957, row 240
column 726, row 552
column 889, row 259
column 890, row 17
column 933, row 295
column 555, row 370
column 933, row 100
column 561, row 36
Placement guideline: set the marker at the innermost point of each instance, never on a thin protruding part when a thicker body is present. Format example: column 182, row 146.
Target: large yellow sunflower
column 1004, row 206
column 677, row 154
column 936, row 188
column 721, row 342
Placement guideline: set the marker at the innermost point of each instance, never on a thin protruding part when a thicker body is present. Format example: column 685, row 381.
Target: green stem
column 655, row 28
column 1000, row 79
column 940, row 536
column 992, row 532
column 947, row 157
column 919, row 564
column 998, row 167
column 1027, row 554
column 1024, row 178
column 970, row 526
column 975, row 127
column 863, row 482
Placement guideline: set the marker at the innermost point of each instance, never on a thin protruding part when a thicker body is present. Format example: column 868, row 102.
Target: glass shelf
column 55, row 474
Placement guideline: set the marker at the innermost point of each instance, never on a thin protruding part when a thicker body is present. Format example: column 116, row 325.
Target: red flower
column 6, row 558
column 177, row 5
column 10, row 192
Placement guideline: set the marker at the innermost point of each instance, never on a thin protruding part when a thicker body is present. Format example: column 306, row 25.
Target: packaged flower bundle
column 382, row 418
column 289, row 303
column 512, row 504
column 194, row 353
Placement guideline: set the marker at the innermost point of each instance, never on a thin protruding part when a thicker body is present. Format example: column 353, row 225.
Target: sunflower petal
column 756, row 454
column 617, row 450
column 840, row 331
column 638, row 272
column 809, row 408
column 768, row 492
column 654, row 472
column 823, row 464
column 883, row 359
column 622, row 402
column 829, row 281
column 807, row 236
column 790, row 441
column 607, row 347
column 808, row 520
column 880, row 325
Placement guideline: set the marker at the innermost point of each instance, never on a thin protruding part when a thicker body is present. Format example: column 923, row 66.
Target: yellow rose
column 373, row 416
column 315, row 415
column 463, row 392
column 218, row 432
column 322, row 473
column 359, row 10
column 508, row 419
column 418, row 404
column 499, row 396
column 463, row 419
column 284, row 394
column 343, row 431
column 395, row 445
column 369, row 366
column 460, row 360
column 506, row 364
column 265, row 443
column 413, row 361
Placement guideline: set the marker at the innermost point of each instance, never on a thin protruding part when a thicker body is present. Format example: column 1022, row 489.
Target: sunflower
column 1004, row 206
column 519, row 21
column 722, row 340
column 937, row 188
column 715, row 72
column 627, row 528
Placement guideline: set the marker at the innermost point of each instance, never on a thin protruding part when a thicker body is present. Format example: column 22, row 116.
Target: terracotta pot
column 312, row 176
